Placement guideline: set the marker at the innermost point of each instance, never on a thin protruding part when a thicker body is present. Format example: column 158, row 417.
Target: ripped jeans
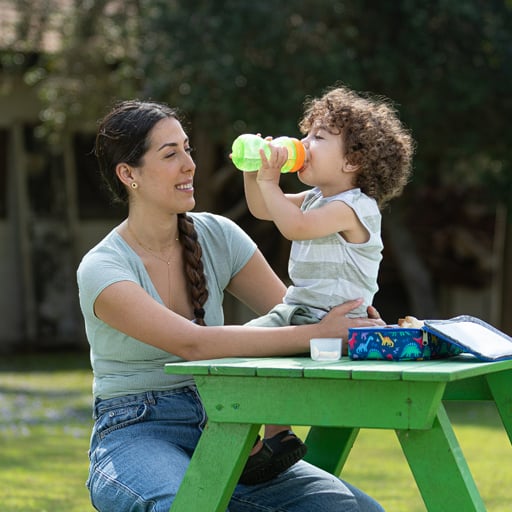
column 141, row 446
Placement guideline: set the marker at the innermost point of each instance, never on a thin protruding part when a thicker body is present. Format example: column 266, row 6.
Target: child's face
column 325, row 165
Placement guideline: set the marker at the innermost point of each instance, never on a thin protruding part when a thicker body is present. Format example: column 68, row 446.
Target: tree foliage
column 248, row 66
column 236, row 67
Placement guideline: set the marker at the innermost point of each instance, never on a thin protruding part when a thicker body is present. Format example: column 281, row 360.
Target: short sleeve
column 100, row 268
column 226, row 247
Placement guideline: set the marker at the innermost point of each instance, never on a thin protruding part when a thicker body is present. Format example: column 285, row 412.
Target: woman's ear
column 125, row 174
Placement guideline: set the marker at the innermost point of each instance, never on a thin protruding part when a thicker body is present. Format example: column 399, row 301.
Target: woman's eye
column 189, row 150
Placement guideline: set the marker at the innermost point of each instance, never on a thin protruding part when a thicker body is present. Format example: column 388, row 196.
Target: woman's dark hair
column 124, row 137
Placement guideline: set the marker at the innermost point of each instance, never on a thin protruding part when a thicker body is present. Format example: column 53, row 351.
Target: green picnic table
column 337, row 399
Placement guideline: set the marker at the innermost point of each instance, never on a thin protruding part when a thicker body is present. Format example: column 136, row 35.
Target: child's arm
column 292, row 222
column 253, row 195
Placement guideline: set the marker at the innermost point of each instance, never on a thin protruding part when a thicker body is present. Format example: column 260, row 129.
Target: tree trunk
column 410, row 267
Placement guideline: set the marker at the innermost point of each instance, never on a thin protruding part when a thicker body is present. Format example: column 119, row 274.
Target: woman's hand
column 375, row 315
column 336, row 323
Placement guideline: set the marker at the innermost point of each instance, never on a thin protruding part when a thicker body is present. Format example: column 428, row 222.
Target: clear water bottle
column 245, row 152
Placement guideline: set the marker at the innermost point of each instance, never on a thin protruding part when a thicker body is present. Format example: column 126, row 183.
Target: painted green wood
column 187, row 368
column 387, row 370
column 282, row 367
column 347, row 403
column 329, row 447
column 225, row 366
column 500, row 385
column 462, row 367
column 439, row 467
column 474, row 388
column 338, row 398
column 215, row 467
column 445, row 370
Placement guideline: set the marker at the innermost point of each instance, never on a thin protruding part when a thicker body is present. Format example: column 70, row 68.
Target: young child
column 358, row 157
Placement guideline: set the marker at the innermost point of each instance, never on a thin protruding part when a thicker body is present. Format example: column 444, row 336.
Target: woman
column 151, row 292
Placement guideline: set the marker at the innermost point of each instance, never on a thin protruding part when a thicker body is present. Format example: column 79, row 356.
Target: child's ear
column 348, row 167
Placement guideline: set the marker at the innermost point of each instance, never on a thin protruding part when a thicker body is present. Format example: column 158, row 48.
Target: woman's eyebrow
column 171, row 144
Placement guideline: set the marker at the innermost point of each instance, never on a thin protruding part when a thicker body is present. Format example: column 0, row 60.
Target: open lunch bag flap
column 473, row 336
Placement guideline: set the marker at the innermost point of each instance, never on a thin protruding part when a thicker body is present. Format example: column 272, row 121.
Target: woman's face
column 165, row 176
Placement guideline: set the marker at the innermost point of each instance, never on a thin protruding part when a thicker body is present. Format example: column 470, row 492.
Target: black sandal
column 277, row 454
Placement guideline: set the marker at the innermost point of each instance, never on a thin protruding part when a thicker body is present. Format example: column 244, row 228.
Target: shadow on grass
column 45, row 361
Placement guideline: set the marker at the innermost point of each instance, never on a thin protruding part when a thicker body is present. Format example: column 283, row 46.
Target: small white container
column 325, row 349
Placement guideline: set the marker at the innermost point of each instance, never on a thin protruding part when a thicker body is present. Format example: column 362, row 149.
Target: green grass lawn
column 45, row 422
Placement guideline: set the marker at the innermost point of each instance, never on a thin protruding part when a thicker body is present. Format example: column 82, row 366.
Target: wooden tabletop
column 441, row 370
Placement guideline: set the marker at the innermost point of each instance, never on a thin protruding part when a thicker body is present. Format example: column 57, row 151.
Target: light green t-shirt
column 123, row 365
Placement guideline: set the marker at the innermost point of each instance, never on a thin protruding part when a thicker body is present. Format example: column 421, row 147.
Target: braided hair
column 123, row 136
column 193, row 266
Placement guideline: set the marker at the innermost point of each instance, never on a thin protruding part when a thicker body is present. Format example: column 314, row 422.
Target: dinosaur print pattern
column 395, row 343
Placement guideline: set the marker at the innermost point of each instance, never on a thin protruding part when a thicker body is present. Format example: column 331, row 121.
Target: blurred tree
column 247, row 66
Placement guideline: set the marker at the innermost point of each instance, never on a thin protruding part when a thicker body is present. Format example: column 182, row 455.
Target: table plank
column 456, row 368
column 322, row 402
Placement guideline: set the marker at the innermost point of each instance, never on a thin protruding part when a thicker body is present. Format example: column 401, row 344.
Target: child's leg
column 279, row 450
column 272, row 430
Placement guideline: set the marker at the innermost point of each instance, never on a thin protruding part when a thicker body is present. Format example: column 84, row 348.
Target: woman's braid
column 193, row 265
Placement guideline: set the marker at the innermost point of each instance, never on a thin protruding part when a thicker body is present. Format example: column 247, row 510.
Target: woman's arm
column 257, row 285
column 127, row 307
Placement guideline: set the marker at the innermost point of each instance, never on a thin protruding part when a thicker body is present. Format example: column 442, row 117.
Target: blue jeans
column 141, row 446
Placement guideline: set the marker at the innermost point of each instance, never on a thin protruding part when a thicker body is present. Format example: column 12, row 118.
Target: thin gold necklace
column 167, row 261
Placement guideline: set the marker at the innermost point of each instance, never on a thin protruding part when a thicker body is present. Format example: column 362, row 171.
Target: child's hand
column 270, row 170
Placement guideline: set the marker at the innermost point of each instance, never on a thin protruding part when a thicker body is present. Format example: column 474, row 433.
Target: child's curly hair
column 374, row 138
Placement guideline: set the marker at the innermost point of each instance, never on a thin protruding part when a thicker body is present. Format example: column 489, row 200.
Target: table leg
column 439, row 468
column 329, row 447
column 215, row 467
column 500, row 383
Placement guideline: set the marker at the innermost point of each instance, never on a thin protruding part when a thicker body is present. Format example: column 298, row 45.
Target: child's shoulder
column 356, row 199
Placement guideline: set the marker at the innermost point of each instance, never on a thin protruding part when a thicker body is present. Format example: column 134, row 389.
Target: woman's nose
column 189, row 162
